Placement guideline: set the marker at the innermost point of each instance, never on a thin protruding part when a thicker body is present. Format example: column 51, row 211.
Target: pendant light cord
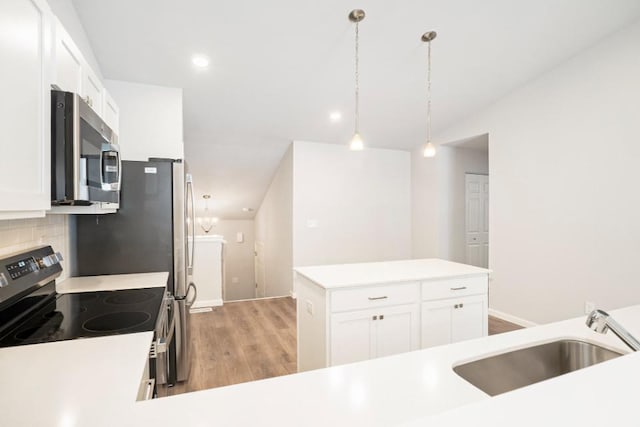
column 357, row 123
column 428, row 92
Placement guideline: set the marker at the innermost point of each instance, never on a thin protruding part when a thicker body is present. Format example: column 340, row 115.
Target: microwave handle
column 119, row 170
column 116, row 152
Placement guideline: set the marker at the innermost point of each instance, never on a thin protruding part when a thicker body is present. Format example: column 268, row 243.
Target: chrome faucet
column 601, row 322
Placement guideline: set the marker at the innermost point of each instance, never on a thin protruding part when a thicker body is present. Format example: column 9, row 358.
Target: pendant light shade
column 357, row 144
column 429, row 148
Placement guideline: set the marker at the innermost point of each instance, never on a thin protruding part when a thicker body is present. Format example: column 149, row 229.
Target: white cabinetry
column 72, row 73
column 92, row 89
column 25, row 55
column 346, row 315
column 366, row 334
column 454, row 319
column 110, row 112
column 454, row 309
column 68, row 61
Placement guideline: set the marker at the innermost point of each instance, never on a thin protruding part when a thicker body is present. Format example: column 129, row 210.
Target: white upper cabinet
column 110, row 112
column 25, row 122
column 92, row 90
column 68, row 61
column 72, row 73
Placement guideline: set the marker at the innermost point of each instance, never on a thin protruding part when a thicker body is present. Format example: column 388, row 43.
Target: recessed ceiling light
column 335, row 116
column 247, row 209
column 200, row 61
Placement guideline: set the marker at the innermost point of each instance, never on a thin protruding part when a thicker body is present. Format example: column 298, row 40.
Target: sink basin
column 519, row 368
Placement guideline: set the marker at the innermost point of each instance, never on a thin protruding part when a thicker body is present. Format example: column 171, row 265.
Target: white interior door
column 259, row 267
column 477, row 219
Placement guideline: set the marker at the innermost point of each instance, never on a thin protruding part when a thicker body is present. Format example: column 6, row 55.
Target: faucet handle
column 597, row 320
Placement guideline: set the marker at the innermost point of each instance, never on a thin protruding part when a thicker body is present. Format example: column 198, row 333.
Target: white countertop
column 112, row 282
column 94, row 382
column 344, row 275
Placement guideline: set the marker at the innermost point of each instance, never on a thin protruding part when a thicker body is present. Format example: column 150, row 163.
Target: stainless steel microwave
column 85, row 156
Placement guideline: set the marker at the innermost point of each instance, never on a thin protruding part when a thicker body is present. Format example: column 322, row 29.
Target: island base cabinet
column 367, row 334
column 452, row 320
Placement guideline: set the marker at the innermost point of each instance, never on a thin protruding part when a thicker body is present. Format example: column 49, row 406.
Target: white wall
column 238, row 258
column 564, row 205
column 274, row 229
column 150, row 120
column 208, row 270
column 360, row 201
column 66, row 13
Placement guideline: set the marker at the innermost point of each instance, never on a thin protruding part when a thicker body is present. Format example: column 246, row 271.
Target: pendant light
column 207, row 221
column 357, row 144
column 429, row 148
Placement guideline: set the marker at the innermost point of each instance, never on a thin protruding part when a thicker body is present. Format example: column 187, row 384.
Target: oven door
column 164, row 336
column 99, row 168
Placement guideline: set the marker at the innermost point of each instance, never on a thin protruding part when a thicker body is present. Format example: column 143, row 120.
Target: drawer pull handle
column 377, row 298
column 459, row 288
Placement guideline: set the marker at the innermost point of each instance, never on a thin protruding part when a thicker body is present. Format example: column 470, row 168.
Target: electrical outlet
column 309, row 306
column 589, row 306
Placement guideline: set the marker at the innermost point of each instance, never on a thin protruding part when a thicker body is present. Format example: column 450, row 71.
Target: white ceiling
column 279, row 67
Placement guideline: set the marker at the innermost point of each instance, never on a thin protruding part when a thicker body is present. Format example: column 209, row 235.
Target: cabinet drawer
column 451, row 288
column 374, row 296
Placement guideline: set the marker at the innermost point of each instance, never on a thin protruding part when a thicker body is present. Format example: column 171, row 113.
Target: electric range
column 31, row 311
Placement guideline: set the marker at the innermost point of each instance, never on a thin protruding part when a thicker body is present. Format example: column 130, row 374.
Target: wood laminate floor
column 499, row 326
column 242, row 341
column 251, row 340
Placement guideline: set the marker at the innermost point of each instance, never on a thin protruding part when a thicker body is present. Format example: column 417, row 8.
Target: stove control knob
column 50, row 260
column 3, row 280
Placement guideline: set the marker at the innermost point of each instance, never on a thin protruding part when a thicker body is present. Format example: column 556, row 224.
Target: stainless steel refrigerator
column 151, row 232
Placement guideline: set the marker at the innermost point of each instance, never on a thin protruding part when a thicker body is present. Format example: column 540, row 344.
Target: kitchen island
column 352, row 312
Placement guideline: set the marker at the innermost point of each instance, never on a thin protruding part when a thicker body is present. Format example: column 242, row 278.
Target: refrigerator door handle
column 195, row 294
column 192, row 219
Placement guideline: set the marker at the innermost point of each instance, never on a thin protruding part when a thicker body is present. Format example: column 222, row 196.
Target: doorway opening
column 467, row 199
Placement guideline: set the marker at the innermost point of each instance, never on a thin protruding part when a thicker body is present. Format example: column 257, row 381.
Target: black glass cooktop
column 90, row 314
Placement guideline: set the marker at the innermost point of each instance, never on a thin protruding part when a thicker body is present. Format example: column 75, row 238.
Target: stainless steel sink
column 519, row 368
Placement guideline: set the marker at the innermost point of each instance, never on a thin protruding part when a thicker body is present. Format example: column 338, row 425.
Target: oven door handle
column 163, row 342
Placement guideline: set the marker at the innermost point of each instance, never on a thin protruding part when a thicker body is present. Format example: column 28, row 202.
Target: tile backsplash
column 20, row 234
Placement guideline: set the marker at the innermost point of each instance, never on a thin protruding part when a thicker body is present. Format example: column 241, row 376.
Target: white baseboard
column 293, row 294
column 207, row 303
column 511, row 318
column 200, row 310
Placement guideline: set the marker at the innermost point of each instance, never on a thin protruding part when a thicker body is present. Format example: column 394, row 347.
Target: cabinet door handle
column 461, row 305
column 382, row 317
column 377, row 298
column 458, row 288
column 375, row 317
